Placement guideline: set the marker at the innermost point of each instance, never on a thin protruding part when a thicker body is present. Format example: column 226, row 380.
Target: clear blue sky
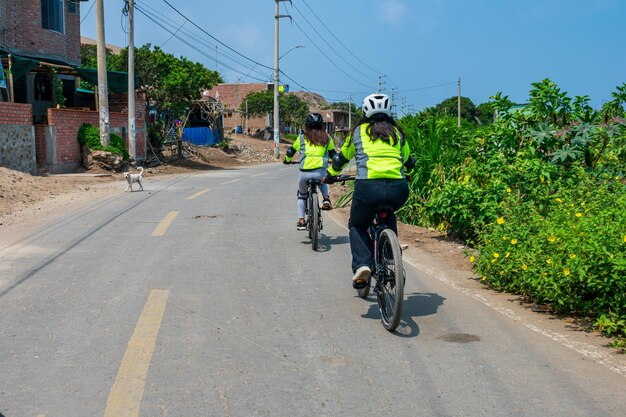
column 492, row 45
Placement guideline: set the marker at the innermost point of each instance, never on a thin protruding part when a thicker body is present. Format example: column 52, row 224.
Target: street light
column 291, row 49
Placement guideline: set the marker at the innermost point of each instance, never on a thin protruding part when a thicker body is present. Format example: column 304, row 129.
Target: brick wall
column 25, row 36
column 15, row 114
column 65, row 123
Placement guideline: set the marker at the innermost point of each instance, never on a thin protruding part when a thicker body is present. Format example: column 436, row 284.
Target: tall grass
column 437, row 145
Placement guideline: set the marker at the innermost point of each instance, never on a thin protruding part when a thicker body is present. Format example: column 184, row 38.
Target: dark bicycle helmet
column 314, row 120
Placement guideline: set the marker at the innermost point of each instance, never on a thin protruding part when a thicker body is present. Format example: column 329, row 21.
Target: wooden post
column 11, row 89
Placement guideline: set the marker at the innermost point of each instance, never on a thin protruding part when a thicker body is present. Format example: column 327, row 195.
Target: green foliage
column 567, row 248
column 59, row 98
column 89, row 137
column 293, row 109
column 541, row 194
column 342, row 105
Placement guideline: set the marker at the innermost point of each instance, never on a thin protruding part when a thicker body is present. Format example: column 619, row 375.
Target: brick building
column 47, row 29
column 232, row 95
column 40, row 41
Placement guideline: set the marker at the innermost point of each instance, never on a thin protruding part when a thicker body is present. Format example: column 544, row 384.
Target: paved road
column 197, row 297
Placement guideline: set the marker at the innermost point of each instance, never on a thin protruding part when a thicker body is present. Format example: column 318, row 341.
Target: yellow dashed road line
column 198, row 194
column 127, row 391
column 165, row 224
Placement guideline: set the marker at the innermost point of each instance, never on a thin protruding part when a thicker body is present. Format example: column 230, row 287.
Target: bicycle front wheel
column 391, row 278
column 315, row 221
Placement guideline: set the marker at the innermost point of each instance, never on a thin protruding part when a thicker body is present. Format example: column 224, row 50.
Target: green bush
column 568, row 250
column 540, row 193
column 89, row 137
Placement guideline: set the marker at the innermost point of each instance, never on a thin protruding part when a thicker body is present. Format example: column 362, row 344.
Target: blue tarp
column 200, row 136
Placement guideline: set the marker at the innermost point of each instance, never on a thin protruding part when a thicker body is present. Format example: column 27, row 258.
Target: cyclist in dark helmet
column 383, row 160
column 315, row 147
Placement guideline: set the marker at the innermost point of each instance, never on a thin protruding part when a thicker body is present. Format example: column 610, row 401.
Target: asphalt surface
column 198, row 297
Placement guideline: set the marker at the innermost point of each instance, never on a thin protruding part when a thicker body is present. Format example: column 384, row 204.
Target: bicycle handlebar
column 341, row 178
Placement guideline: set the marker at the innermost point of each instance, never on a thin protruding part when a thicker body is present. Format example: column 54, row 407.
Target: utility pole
column 276, row 72
column 394, row 106
column 381, row 83
column 350, row 114
column 132, row 139
column 458, row 110
column 103, row 90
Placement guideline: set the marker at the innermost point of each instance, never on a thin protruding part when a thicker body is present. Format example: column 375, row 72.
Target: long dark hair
column 381, row 126
column 317, row 136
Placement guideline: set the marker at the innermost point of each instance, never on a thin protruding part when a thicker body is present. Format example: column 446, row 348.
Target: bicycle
column 388, row 269
column 313, row 211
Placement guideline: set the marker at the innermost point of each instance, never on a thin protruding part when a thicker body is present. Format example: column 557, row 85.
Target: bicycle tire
column 391, row 282
column 315, row 220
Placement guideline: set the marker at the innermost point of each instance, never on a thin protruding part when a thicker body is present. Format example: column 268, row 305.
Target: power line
column 329, row 45
column 215, row 39
column 195, row 48
column 327, row 57
column 426, row 88
column 88, row 11
column 337, row 39
column 197, row 39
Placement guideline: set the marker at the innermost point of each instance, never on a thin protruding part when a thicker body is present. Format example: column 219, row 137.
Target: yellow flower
column 566, row 271
column 484, row 278
column 472, row 259
column 551, row 239
column 572, row 255
column 579, row 214
column 506, row 255
column 624, row 238
column 558, row 200
column 549, row 261
column 524, row 267
column 500, row 220
column 496, row 255
column 513, row 241
column 508, row 190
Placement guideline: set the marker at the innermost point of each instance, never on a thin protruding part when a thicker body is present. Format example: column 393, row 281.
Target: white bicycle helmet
column 376, row 103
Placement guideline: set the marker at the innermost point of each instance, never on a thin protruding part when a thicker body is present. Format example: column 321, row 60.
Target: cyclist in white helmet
column 383, row 159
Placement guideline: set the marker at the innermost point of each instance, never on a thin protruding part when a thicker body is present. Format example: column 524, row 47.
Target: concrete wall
column 17, row 137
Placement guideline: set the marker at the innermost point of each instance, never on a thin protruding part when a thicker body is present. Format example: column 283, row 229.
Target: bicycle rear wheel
column 390, row 286
column 314, row 224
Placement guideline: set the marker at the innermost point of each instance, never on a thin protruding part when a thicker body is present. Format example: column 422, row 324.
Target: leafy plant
column 89, row 137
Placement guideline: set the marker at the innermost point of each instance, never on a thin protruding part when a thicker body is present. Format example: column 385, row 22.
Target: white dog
column 131, row 178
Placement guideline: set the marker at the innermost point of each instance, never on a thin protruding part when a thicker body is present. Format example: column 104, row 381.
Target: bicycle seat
column 383, row 210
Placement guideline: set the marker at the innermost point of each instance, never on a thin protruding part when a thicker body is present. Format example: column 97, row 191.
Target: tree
column 450, row 107
column 171, row 84
column 485, row 113
column 343, row 105
column 293, row 109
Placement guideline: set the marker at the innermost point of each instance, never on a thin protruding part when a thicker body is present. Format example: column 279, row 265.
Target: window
column 72, row 6
column 52, row 15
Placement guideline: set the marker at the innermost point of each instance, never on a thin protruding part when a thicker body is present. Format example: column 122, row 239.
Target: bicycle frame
column 378, row 225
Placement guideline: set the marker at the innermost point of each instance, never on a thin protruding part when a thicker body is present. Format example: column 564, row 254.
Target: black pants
column 368, row 196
